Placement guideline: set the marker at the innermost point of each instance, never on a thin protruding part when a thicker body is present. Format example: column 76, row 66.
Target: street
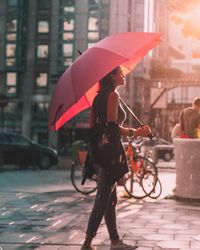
column 41, row 210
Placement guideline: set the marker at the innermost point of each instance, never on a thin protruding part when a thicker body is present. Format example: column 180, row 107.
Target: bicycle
column 142, row 178
column 77, row 171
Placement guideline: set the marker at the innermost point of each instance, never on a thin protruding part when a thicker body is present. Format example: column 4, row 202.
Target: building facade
column 40, row 39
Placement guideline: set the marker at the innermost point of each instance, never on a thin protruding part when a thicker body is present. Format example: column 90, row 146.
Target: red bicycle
column 142, row 178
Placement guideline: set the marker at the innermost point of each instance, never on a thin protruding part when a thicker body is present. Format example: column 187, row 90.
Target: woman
column 106, row 106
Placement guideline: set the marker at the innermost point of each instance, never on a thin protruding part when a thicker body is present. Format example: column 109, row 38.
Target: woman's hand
column 142, row 131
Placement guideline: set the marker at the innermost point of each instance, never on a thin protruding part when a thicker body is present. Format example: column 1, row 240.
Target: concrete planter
column 187, row 159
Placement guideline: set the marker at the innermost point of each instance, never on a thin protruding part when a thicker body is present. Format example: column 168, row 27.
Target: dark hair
column 107, row 83
column 196, row 101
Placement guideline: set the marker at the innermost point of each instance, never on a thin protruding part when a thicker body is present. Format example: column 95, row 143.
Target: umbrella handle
column 134, row 116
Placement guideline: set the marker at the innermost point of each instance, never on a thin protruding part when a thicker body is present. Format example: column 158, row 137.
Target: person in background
column 176, row 131
column 107, row 108
column 190, row 120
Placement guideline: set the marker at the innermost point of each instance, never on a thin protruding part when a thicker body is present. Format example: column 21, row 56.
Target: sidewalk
column 48, row 214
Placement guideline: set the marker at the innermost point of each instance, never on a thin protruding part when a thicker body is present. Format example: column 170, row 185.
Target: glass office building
column 39, row 40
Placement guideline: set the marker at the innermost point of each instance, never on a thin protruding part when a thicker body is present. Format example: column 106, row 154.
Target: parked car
column 16, row 149
column 159, row 147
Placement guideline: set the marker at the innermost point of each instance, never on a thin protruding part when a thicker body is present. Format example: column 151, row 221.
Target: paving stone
column 175, row 226
column 195, row 245
column 55, row 218
column 173, row 244
column 158, row 237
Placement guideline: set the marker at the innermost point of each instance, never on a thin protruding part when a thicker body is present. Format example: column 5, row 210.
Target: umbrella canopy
column 78, row 85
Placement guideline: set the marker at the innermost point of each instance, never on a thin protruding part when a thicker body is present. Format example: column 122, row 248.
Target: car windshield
column 15, row 140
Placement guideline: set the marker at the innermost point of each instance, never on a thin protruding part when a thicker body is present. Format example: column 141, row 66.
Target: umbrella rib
column 107, row 50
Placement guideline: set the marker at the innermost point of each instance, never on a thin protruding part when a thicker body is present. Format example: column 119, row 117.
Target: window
column 69, row 6
column 42, row 107
column 10, row 50
column 13, row 108
column 43, row 27
column 11, row 83
column 68, row 50
column 93, row 22
column 68, row 61
column 40, row 110
column 41, row 80
column 42, row 51
column 12, row 25
column 68, row 25
column 90, row 44
column 19, row 140
column 15, row 34
column 11, row 37
column 66, row 38
column 41, row 83
column 93, row 35
column 12, row 2
column 10, row 61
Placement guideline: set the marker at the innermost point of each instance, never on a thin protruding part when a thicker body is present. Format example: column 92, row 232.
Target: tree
column 187, row 14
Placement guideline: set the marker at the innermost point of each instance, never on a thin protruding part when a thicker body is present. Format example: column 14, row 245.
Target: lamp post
column 3, row 104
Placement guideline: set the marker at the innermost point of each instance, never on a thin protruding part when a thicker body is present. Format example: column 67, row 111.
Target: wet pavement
column 41, row 210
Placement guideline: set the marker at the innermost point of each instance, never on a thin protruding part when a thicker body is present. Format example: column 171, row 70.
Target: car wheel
column 44, row 162
column 167, row 156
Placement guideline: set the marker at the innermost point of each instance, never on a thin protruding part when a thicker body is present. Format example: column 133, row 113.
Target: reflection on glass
column 11, row 79
column 68, row 49
column 43, row 26
column 69, row 5
column 93, row 35
column 42, row 51
column 68, row 25
column 10, row 50
column 10, row 61
column 11, row 37
column 12, row 25
column 93, row 23
column 11, row 107
column 69, row 9
column 90, row 45
column 68, row 61
column 12, row 2
column 41, row 80
column 40, row 107
column 68, row 36
column 11, row 90
column 93, row 6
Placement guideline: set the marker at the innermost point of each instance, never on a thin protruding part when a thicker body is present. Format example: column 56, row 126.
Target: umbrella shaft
column 131, row 112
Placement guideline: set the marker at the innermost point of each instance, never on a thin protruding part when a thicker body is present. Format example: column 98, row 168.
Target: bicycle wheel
column 76, row 178
column 156, row 192
column 142, row 178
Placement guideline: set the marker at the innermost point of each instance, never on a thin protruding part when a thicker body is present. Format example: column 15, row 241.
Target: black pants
column 104, row 205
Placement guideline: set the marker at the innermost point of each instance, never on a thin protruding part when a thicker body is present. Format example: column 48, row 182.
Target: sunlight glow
column 195, row 15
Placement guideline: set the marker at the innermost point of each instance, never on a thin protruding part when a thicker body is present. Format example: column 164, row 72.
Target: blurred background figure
column 190, row 120
column 176, row 132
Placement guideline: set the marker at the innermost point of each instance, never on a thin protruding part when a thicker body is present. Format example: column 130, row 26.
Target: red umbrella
column 78, row 85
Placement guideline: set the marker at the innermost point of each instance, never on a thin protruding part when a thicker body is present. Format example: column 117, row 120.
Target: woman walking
column 106, row 109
